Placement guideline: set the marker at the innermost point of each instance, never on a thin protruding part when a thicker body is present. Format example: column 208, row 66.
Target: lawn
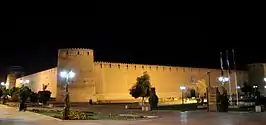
column 81, row 115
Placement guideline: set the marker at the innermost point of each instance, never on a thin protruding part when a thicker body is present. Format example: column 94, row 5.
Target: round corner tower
column 80, row 61
column 14, row 72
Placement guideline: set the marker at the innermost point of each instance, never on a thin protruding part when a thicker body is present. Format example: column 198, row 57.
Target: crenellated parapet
column 148, row 67
column 75, row 52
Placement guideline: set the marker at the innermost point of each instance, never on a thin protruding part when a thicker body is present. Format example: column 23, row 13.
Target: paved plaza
column 10, row 116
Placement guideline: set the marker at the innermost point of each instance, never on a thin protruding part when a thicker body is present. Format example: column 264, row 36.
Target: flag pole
column 233, row 51
column 222, row 68
column 229, row 79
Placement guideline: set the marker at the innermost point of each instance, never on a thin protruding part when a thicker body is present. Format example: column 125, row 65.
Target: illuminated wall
column 37, row 80
column 112, row 81
column 115, row 79
column 81, row 61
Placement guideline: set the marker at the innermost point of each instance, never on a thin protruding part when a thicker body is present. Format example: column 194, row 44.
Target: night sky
column 32, row 41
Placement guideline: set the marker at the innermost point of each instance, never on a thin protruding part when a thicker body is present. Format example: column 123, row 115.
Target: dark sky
column 32, row 41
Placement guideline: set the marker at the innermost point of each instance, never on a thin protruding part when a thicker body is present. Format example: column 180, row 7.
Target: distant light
column 226, row 79
column 27, row 81
column 255, row 87
column 265, row 87
column 223, row 79
column 71, row 74
column 63, row 74
column 264, row 79
column 2, row 83
column 182, row 87
column 238, row 87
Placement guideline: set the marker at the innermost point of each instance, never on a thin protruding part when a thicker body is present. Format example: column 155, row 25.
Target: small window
column 142, row 67
column 101, row 65
column 127, row 66
column 110, row 65
column 78, row 53
column 135, row 67
column 170, row 69
column 118, row 66
column 88, row 53
column 67, row 53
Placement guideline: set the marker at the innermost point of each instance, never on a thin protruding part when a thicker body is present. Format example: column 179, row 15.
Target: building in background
column 257, row 73
column 13, row 72
column 108, row 81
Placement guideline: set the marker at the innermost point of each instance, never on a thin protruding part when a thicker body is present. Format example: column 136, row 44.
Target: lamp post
column 182, row 88
column 4, row 84
column 265, row 82
column 67, row 75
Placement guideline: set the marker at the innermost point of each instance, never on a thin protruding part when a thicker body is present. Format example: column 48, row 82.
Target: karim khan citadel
column 107, row 81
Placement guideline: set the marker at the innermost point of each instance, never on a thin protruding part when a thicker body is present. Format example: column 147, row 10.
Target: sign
column 212, row 99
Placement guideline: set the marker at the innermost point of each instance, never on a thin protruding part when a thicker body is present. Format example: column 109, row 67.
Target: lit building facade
column 107, row 81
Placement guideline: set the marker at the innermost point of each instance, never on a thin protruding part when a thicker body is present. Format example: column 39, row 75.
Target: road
column 10, row 116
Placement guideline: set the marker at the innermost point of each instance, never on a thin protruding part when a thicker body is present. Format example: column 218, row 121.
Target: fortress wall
column 117, row 78
column 80, row 61
column 38, row 79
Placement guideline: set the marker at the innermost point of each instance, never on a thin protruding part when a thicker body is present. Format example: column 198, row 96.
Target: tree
column 142, row 87
column 24, row 94
column 44, row 95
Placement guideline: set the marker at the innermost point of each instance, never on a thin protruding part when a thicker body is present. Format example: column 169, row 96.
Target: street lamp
column 223, row 79
column 67, row 75
column 182, row 88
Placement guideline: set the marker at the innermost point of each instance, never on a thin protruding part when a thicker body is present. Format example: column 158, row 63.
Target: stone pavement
column 10, row 116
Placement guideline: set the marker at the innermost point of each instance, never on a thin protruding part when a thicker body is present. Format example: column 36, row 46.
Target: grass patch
column 80, row 115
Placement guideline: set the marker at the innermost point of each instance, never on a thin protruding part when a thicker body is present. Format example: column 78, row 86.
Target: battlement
column 148, row 67
column 75, row 52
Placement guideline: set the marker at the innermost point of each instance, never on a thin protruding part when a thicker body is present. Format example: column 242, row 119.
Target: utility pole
column 235, row 76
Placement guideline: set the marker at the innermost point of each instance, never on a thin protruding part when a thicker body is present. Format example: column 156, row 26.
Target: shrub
column 44, row 96
column 33, row 97
column 14, row 93
column 24, row 93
